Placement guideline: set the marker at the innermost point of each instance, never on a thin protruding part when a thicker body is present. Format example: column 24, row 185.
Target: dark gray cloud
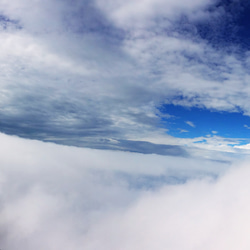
column 150, row 148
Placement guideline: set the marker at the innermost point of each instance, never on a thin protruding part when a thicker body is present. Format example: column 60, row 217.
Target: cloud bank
column 82, row 72
column 55, row 197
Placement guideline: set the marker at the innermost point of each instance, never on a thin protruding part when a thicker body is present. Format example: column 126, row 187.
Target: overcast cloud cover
column 99, row 78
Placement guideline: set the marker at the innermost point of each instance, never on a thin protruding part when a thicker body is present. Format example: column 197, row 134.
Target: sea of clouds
column 60, row 197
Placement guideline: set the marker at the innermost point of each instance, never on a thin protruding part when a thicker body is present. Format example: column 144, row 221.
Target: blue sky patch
column 195, row 122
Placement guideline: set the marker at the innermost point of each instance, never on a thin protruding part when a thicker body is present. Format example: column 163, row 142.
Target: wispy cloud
column 246, row 126
column 191, row 124
column 183, row 130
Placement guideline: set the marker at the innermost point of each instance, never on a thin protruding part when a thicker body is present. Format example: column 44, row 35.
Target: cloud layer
column 56, row 196
column 81, row 73
column 197, row 215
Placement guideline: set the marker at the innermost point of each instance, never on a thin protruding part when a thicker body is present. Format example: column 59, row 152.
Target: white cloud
column 244, row 147
column 203, row 214
column 56, row 196
column 183, row 131
column 141, row 13
column 191, row 124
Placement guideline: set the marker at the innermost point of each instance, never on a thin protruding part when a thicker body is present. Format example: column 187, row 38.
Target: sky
column 124, row 118
column 116, row 75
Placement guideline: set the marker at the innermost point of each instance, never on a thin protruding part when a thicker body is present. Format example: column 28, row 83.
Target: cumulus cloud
column 58, row 196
